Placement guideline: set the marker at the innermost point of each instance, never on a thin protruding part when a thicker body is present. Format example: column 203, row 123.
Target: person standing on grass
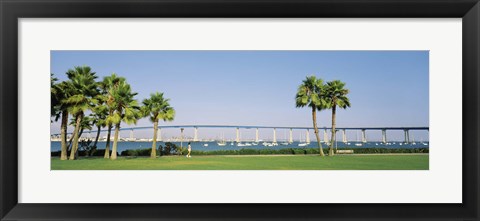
column 189, row 150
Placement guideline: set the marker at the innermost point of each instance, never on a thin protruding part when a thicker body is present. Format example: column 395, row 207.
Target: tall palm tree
column 84, row 89
column 59, row 108
column 54, row 101
column 126, row 109
column 108, row 86
column 158, row 108
column 310, row 93
column 56, row 110
column 336, row 96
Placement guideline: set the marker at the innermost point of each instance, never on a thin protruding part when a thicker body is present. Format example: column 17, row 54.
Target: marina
column 213, row 145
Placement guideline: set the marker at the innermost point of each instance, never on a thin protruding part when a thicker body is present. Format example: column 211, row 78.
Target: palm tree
column 84, row 89
column 108, row 86
column 54, row 101
column 310, row 93
column 158, row 108
column 59, row 93
column 336, row 96
column 126, row 109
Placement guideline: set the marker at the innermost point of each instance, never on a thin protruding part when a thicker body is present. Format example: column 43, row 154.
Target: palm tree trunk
column 315, row 128
column 69, row 146
column 107, row 145
column 80, row 134
column 330, row 151
column 63, row 134
column 76, row 149
column 75, row 136
column 98, row 136
column 154, row 141
column 115, row 142
column 94, row 148
column 71, row 140
column 65, row 137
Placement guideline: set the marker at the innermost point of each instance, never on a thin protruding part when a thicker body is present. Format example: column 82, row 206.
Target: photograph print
column 239, row 110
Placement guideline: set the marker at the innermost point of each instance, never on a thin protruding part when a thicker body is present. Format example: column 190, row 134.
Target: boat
column 300, row 143
column 413, row 141
column 240, row 144
column 222, row 143
column 358, row 144
column 205, row 144
column 267, row 144
column 285, row 139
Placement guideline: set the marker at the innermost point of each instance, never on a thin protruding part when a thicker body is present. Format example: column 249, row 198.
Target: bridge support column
column 307, row 137
column 237, row 139
column 364, row 136
column 407, row 136
column 131, row 134
column 181, row 138
column 290, row 137
column 384, row 136
column 195, row 135
column 159, row 135
column 344, row 137
column 274, row 135
column 256, row 135
column 325, row 136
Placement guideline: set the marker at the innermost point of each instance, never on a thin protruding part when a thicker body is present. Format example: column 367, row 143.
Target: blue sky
column 387, row 88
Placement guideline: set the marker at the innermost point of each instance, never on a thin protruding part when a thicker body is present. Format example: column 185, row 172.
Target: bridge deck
column 267, row 127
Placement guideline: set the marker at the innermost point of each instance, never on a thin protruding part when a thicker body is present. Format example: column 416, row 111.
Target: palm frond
column 337, row 94
column 311, row 93
column 158, row 108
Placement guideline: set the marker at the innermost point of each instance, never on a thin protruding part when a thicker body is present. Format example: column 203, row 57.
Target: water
column 55, row 145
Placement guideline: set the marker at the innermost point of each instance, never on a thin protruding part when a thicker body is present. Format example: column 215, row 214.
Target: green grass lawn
column 245, row 162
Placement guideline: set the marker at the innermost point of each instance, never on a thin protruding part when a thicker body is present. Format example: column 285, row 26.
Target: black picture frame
column 11, row 11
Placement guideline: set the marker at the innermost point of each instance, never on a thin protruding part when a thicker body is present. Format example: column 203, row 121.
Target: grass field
column 266, row 162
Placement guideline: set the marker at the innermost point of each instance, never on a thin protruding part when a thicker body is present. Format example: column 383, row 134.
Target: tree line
column 109, row 102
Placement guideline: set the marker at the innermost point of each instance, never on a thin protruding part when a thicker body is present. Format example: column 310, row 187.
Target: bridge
column 325, row 130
